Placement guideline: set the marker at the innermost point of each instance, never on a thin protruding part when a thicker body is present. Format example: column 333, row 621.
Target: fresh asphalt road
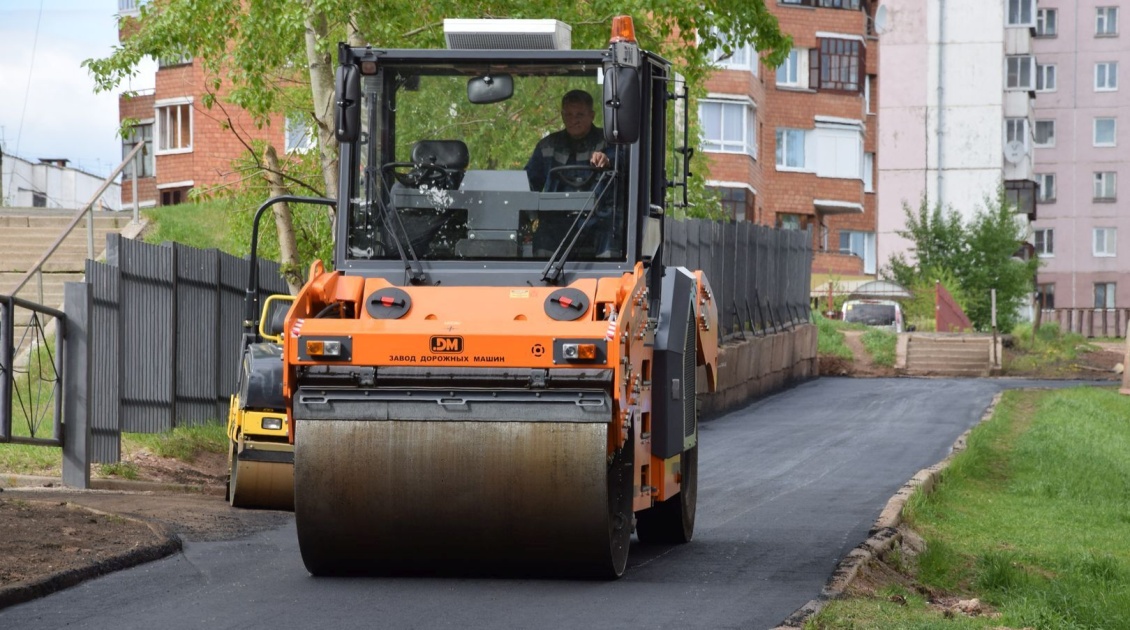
column 788, row 486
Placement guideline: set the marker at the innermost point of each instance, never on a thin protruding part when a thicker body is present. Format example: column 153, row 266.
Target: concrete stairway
column 947, row 354
column 26, row 233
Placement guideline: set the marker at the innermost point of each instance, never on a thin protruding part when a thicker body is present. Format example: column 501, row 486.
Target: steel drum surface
column 418, row 496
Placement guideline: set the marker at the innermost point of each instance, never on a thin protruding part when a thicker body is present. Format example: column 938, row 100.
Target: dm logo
column 447, row 344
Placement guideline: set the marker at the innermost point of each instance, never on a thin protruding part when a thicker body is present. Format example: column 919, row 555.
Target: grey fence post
column 77, row 304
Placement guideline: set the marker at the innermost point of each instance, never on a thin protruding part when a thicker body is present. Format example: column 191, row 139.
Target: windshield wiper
column 391, row 221
column 556, row 263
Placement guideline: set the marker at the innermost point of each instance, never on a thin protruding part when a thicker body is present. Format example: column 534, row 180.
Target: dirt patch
column 49, row 535
column 863, row 365
column 1096, row 365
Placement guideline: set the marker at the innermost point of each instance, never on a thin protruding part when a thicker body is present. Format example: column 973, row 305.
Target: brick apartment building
column 794, row 146
column 187, row 145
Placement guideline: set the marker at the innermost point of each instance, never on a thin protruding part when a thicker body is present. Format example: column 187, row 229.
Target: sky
column 48, row 108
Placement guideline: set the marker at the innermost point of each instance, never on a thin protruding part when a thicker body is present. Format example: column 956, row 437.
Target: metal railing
column 87, row 210
column 31, row 374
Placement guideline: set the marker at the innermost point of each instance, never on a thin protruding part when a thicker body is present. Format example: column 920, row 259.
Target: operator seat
column 450, row 155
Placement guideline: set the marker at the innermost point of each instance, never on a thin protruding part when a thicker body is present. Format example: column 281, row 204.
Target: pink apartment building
column 1082, row 138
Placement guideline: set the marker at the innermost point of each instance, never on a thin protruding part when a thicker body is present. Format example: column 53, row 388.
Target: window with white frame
column 1106, row 186
column 1045, row 242
column 140, row 132
column 861, row 244
column 1104, row 135
column 1045, row 187
column 739, row 57
column 1016, row 130
column 1045, row 77
column 1106, row 76
column 1104, row 241
column 299, row 135
column 1106, row 21
column 1020, row 72
column 1047, row 22
column 794, row 71
column 1020, row 12
column 1104, row 294
column 835, row 149
column 728, row 126
column 868, row 172
column 737, row 202
column 1045, row 133
column 790, row 149
column 174, row 128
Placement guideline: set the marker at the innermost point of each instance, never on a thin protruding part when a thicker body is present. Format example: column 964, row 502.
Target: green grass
column 829, row 339
column 182, row 443
column 1032, row 519
column 125, row 470
column 204, row 224
column 33, row 411
column 1048, row 346
column 880, row 344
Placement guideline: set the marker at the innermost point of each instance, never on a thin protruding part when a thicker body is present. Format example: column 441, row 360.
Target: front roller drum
column 375, row 497
column 261, row 476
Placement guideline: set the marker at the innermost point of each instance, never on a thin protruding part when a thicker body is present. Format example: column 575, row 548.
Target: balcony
column 129, row 7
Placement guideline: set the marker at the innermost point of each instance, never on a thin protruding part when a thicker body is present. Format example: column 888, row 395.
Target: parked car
column 885, row 314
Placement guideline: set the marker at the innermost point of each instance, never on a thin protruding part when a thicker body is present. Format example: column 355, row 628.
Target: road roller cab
column 498, row 371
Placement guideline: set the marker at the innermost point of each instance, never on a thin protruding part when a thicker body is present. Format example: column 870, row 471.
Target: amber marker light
column 623, row 30
column 578, row 351
column 321, row 348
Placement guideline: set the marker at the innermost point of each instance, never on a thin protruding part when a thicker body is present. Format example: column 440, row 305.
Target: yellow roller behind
column 261, row 484
column 416, row 496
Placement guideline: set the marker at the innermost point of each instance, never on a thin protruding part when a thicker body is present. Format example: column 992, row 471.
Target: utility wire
column 30, row 74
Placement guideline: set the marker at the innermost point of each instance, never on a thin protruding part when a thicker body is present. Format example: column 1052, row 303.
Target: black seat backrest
column 450, row 154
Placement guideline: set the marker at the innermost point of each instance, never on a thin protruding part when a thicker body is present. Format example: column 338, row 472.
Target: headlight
column 272, row 424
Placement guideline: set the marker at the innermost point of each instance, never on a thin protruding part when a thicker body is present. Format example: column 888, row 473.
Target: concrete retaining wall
column 759, row 366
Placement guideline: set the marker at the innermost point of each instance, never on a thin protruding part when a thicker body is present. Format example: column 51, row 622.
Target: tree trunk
column 284, row 223
column 322, row 89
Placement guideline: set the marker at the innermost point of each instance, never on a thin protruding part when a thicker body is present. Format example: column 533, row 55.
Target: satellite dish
column 881, row 20
column 1015, row 151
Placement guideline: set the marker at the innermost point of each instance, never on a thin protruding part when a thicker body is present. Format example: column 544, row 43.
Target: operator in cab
column 580, row 143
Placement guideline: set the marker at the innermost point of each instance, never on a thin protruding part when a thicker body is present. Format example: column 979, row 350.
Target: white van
column 885, row 314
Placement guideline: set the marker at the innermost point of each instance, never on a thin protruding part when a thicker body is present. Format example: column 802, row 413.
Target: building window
column 836, row 65
column 174, row 128
column 1046, row 184
column 788, row 221
column 826, row 4
column 1045, row 133
column 174, row 196
column 1020, row 72
column 1104, row 294
column 1016, row 130
column 867, row 94
column 1106, row 76
column 141, row 132
column 1106, row 186
column 1106, row 21
column 860, row 244
column 728, row 126
column 739, row 58
column 1020, row 12
column 1045, row 77
column 738, row 203
column 835, row 149
column 1045, row 296
column 1104, row 241
column 1046, row 22
column 1104, row 132
column 790, row 149
column 1045, row 242
column 299, row 135
column 868, row 172
column 38, row 199
column 794, row 71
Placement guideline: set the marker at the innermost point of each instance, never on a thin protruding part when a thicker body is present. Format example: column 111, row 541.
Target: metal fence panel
column 197, row 340
column 105, row 362
column 147, row 304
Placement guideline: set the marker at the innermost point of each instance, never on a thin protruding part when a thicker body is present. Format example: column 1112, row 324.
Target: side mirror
column 347, row 111
column 621, row 104
column 490, row 88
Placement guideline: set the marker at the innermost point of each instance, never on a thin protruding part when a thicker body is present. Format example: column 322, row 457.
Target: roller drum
column 426, row 496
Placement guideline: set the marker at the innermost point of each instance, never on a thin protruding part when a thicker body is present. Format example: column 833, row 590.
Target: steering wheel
column 430, row 175
column 577, row 176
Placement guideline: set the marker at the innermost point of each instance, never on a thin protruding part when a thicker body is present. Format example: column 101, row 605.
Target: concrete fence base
column 759, row 366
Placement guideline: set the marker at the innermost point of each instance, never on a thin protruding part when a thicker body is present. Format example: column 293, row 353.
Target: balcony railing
column 129, row 7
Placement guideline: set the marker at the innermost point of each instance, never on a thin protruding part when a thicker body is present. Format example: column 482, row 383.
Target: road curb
column 118, row 485
column 167, row 544
column 884, row 533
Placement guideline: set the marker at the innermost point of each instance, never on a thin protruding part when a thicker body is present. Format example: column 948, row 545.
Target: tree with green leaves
column 977, row 255
column 277, row 57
